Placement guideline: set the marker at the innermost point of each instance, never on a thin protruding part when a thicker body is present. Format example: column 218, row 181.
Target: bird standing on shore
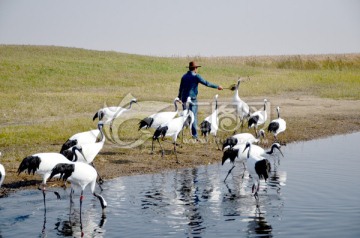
column 81, row 138
column 189, row 121
column 87, row 152
column 210, row 125
column 242, row 109
column 278, row 125
column 170, row 129
column 242, row 138
column 258, row 118
column 157, row 119
column 109, row 114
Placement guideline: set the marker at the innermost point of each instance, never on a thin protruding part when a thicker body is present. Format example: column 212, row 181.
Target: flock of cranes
column 74, row 162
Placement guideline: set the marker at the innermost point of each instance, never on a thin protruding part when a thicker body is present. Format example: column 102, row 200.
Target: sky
column 186, row 27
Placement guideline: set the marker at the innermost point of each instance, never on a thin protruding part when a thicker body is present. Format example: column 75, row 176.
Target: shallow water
column 314, row 192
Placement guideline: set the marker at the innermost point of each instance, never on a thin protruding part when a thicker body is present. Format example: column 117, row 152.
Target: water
column 313, row 193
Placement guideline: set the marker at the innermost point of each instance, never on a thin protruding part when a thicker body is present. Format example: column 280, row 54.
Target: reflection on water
column 73, row 225
column 307, row 195
column 189, row 197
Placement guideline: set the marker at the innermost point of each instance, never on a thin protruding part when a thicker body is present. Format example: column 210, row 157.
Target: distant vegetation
column 48, row 93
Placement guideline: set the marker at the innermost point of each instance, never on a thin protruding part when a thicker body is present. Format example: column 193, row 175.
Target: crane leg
column 177, row 161
column 229, row 172
column 162, row 150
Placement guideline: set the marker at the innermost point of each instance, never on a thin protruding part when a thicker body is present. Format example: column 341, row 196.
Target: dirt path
column 307, row 118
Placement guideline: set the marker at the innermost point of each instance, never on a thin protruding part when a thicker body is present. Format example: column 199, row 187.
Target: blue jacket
column 189, row 85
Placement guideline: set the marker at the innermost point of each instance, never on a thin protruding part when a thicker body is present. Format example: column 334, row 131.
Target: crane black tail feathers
column 205, row 128
column 253, row 121
column 146, row 122
column 65, row 170
column 231, row 142
column 263, row 168
column 31, row 163
column 273, row 126
column 160, row 131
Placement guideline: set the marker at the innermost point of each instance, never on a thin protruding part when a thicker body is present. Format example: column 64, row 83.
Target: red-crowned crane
column 87, row 152
column 242, row 138
column 170, row 129
column 157, row 119
column 42, row 164
column 109, row 114
column 238, row 153
column 210, row 125
column 278, row 125
column 242, row 109
column 80, row 175
column 258, row 118
column 258, row 168
column 81, row 138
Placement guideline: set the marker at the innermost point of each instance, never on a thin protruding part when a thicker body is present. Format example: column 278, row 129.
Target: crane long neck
column 237, row 88
column 102, row 136
column 130, row 104
column 75, row 155
column 248, row 154
column 176, row 107
column 270, row 152
column 216, row 109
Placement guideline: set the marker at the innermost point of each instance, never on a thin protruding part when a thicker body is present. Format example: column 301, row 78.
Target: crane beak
column 277, row 146
column 280, row 152
column 247, row 146
column 83, row 155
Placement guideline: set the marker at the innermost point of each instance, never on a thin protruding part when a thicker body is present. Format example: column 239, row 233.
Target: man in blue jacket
column 189, row 88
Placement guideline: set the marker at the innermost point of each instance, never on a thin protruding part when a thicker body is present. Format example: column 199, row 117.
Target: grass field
column 50, row 93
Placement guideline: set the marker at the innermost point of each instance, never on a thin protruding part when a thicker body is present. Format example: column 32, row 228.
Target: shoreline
column 307, row 117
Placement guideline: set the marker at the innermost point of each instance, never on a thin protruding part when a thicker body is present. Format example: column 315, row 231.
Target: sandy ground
column 307, row 118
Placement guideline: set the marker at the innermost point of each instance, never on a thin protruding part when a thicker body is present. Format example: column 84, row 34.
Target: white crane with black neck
column 237, row 153
column 170, row 129
column 109, row 114
column 242, row 138
column 242, row 108
column 258, row 167
column 42, row 164
column 258, row 118
column 80, row 175
column 210, row 125
column 157, row 119
column 277, row 125
column 87, row 152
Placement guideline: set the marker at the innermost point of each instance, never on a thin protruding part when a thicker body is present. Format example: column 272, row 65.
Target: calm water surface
column 314, row 192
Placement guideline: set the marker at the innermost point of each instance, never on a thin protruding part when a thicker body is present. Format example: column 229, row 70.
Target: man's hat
column 193, row 65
